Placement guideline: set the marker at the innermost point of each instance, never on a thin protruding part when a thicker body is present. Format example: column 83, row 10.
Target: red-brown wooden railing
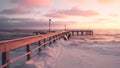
column 7, row 46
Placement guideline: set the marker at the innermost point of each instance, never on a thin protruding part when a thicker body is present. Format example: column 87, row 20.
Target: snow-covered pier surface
column 101, row 51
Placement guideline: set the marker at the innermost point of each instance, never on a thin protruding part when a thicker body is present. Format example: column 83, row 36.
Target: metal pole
column 49, row 25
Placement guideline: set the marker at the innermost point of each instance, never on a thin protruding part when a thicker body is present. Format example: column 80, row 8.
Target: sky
column 75, row 14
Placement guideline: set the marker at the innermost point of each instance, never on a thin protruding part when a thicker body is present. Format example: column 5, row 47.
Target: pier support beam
column 72, row 33
column 77, row 33
column 81, row 32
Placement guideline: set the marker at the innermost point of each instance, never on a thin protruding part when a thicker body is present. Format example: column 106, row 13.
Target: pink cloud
column 56, row 15
column 32, row 3
column 25, row 6
column 72, row 12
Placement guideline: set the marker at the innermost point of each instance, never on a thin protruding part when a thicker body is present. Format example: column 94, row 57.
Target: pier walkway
column 42, row 40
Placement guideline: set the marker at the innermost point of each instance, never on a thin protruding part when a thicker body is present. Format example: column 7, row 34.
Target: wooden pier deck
column 42, row 40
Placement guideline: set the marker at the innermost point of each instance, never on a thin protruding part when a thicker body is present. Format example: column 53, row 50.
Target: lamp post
column 65, row 27
column 49, row 25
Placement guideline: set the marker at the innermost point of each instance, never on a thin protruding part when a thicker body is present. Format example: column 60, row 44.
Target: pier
column 42, row 40
column 81, row 32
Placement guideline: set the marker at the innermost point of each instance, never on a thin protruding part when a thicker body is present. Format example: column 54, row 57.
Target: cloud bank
column 9, row 23
column 32, row 3
column 72, row 12
column 25, row 6
column 84, row 2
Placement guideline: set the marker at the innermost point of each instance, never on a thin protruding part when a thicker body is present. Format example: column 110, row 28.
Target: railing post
column 69, row 35
column 60, row 35
column 6, row 58
column 44, row 41
column 39, row 44
column 50, row 41
column 28, row 48
column 54, row 39
column 57, row 36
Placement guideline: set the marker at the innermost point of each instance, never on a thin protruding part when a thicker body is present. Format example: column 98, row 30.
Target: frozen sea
column 97, row 51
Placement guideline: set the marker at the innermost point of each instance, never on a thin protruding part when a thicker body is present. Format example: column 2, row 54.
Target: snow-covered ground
column 79, row 52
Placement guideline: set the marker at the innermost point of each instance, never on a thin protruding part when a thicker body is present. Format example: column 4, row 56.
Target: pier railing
column 7, row 46
column 81, row 32
column 42, row 40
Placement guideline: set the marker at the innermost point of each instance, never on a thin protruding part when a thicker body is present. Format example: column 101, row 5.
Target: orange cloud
column 32, row 3
column 114, row 15
column 78, row 2
column 107, row 1
column 72, row 12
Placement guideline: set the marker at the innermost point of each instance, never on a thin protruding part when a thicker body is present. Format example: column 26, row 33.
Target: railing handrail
column 16, row 43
